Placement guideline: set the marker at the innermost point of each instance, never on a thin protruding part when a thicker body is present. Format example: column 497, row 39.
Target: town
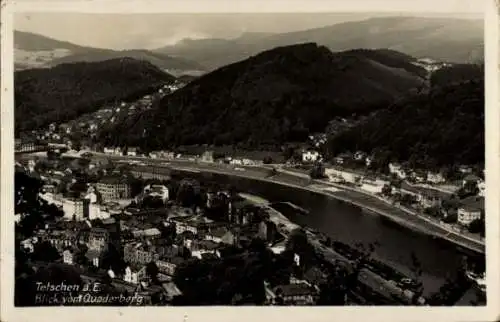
column 451, row 197
column 137, row 226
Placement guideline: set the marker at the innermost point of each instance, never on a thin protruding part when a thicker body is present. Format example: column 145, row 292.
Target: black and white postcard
column 250, row 160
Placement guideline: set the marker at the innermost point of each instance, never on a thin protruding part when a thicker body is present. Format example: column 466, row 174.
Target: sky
column 131, row 31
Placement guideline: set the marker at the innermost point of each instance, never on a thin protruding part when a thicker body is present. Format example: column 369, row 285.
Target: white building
column 73, row 209
column 31, row 165
column 481, row 185
column 132, row 152
column 207, row 156
column 148, row 233
column 68, row 257
column 134, row 275
column 472, row 208
column 398, row 170
column 96, row 211
column 236, row 162
column 337, row 175
column 310, row 156
column 465, row 169
column 279, row 247
column 29, row 244
column 435, row 177
column 373, row 185
column 91, row 196
column 471, row 179
column 359, row 155
column 419, row 176
column 109, row 150
column 52, row 199
column 102, row 212
column 466, row 215
column 204, row 247
column 112, row 150
column 248, row 162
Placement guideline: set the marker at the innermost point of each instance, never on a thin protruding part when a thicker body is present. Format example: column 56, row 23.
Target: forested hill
column 429, row 131
column 457, row 73
column 162, row 61
column 66, row 91
column 274, row 97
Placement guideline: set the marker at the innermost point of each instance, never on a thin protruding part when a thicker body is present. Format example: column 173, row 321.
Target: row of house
column 203, row 238
column 89, row 206
column 132, row 151
column 468, row 209
column 96, row 239
column 418, row 176
column 360, row 179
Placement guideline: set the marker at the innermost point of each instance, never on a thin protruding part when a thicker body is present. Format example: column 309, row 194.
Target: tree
column 317, row 171
column 334, row 290
column 152, row 202
column 288, row 153
column 477, row 226
column 76, row 145
column 298, row 243
column 364, row 253
column 189, row 194
column 469, row 189
column 136, row 186
column 185, row 253
column 451, row 291
column 45, row 252
column 152, row 271
column 267, row 160
column 51, row 155
column 451, row 218
column 80, row 257
column 433, row 211
column 386, row 190
column 112, row 258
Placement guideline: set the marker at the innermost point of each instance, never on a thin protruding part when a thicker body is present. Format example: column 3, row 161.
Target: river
column 346, row 223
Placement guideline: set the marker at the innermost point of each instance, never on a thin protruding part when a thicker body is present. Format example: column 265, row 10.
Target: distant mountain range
column 277, row 96
column 443, row 39
column 66, row 91
column 36, row 51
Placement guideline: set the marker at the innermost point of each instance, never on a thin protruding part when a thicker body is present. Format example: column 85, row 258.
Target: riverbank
column 339, row 192
column 372, row 276
column 451, row 233
column 363, row 201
